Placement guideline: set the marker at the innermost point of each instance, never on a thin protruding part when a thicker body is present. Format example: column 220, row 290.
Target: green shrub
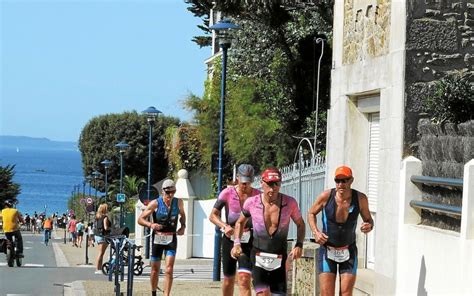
column 452, row 100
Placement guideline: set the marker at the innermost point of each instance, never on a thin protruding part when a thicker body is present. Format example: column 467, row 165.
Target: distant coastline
column 23, row 142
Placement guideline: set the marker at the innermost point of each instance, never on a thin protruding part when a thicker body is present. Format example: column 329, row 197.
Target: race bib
column 268, row 261
column 245, row 237
column 339, row 255
column 163, row 238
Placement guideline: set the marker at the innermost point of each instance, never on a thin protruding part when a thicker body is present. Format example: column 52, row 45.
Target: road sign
column 89, row 201
column 120, row 197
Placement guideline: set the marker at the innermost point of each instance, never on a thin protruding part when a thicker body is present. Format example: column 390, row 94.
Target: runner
column 164, row 211
column 232, row 198
column 271, row 212
column 340, row 208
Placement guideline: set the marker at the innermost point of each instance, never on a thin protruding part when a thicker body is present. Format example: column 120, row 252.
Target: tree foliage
column 8, row 188
column 183, row 148
column 100, row 135
column 271, row 75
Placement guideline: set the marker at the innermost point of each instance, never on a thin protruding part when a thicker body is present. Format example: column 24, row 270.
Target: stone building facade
column 386, row 55
column 439, row 41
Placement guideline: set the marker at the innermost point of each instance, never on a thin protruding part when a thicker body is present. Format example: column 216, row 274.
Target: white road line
column 61, row 260
column 25, row 265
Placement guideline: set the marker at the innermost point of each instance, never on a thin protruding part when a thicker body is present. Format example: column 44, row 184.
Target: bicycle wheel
column 105, row 268
column 138, row 268
column 10, row 259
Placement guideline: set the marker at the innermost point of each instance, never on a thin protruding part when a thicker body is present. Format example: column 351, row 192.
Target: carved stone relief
column 366, row 29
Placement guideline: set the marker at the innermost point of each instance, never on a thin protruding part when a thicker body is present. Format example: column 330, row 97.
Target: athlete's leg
column 244, row 284
column 228, row 286
column 327, row 284
column 154, row 274
column 347, row 284
column 170, row 257
column 155, row 262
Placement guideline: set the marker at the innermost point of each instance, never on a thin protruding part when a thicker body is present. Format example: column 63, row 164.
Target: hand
column 180, row 231
column 228, row 230
column 156, row 226
column 366, row 227
column 320, row 238
column 296, row 253
column 236, row 252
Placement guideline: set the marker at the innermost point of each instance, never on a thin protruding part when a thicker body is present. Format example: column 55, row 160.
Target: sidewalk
column 196, row 280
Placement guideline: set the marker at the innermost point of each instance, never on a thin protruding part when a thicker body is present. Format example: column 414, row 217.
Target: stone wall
column 366, row 29
column 439, row 41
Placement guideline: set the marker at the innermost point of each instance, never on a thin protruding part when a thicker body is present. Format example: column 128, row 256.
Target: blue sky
column 64, row 62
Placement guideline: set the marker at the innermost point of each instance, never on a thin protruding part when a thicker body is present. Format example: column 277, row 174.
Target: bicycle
column 9, row 247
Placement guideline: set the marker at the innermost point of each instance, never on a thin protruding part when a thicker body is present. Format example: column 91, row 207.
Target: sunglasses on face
column 272, row 184
column 343, row 181
column 170, row 192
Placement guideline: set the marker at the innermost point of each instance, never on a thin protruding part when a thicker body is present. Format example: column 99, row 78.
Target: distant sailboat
column 17, row 149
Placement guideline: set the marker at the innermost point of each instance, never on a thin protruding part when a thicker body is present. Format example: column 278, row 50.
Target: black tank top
column 340, row 234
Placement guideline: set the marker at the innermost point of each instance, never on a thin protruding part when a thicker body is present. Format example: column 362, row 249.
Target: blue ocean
column 46, row 176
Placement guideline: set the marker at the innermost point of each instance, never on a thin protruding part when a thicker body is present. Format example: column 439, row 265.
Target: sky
column 64, row 62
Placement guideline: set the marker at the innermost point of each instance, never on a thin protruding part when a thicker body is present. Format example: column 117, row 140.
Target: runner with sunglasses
column 164, row 211
column 340, row 207
column 232, row 198
column 271, row 213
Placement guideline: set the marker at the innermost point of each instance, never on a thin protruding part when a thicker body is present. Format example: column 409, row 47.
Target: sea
column 47, row 176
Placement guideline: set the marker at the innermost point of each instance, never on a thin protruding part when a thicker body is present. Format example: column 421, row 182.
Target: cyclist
column 47, row 226
column 12, row 220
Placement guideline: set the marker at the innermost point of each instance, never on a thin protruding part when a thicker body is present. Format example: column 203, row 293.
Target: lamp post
column 151, row 114
column 95, row 175
column 122, row 146
column 106, row 164
column 222, row 29
column 318, row 40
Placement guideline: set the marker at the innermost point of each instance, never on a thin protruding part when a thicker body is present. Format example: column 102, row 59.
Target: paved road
column 39, row 274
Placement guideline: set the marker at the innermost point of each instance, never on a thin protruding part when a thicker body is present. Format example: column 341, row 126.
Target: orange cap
column 343, row 171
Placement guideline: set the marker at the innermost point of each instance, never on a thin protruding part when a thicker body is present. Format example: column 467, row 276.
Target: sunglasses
column 272, row 184
column 170, row 192
column 343, row 181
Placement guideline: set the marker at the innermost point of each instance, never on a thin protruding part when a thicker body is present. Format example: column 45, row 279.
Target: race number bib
column 245, row 237
column 339, row 255
column 163, row 238
column 268, row 261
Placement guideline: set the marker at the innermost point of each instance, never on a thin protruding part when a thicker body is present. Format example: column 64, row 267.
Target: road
column 39, row 274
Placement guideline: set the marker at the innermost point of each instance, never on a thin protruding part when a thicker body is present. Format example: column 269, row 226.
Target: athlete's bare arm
column 368, row 223
column 317, row 206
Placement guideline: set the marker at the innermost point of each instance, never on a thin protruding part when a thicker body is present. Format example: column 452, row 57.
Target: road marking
column 24, row 265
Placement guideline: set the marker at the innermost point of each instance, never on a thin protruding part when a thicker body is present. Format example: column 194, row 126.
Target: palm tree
column 131, row 187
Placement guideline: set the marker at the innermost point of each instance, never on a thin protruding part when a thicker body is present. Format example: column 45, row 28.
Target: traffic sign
column 89, row 201
column 120, row 197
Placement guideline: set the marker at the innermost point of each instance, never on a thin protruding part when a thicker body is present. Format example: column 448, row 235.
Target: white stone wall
column 348, row 137
column 433, row 261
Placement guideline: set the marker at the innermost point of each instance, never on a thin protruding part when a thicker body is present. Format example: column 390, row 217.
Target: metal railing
column 436, row 207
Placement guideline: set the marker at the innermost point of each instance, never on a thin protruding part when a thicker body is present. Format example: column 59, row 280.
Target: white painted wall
column 347, row 141
column 432, row 261
column 203, row 245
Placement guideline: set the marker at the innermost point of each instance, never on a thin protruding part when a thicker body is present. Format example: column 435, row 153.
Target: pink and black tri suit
column 274, row 243
column 229, row 199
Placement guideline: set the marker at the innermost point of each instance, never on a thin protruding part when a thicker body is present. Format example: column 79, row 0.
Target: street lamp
column 106, row 164
column 122, row 146
column 222, row 29
column 95, row 175
column 151, row 114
